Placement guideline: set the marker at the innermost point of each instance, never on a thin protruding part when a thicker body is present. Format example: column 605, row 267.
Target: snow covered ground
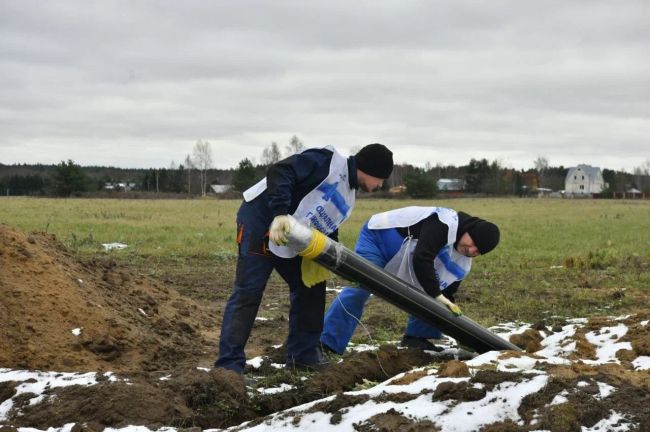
column 497, row 403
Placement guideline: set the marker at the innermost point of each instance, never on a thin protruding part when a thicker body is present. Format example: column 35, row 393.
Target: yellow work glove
column 280, row 228
column 451, row 306
column 313, row 273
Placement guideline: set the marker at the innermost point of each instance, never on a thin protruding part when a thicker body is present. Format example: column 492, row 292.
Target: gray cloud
column 137, row 83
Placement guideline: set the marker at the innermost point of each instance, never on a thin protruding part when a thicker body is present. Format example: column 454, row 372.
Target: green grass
column 534, row 232
column 556, row 257
column 151, row 228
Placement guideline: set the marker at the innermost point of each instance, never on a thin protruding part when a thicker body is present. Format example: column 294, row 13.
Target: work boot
column 419, row 343
column 328, row 352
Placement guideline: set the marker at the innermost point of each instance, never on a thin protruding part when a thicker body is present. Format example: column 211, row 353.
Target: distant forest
column 480, row 177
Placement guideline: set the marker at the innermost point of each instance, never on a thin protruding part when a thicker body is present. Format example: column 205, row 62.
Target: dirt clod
column 529, row 340
column 453, row 368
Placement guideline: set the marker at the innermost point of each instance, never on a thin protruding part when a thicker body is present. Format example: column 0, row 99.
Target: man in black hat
column 317, row 187
column 431, row 248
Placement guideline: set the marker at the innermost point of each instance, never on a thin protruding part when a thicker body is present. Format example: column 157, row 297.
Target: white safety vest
column 449, row 265
column 325, row 208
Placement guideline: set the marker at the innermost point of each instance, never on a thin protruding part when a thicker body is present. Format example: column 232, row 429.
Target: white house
column 220, row 188
column 584, row 180
column 123, row 186
column 445, row 184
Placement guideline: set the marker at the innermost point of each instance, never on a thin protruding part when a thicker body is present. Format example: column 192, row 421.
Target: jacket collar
column 352, row 173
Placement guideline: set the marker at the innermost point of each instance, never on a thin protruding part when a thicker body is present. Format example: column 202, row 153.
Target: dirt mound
column 59, row 313
column 356, row 369
column 372, row 366
column 193, row 398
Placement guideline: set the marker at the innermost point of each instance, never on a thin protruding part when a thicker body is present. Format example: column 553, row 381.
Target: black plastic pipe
column 353, row 267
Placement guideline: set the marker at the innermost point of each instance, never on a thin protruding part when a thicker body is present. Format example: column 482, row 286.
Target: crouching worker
column 317, row 187
column 430, row 248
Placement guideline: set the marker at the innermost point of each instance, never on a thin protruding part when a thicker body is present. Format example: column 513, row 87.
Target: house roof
column 589, row 170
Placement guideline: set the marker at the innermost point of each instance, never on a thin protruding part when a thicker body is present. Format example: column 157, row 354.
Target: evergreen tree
column 68, row 179
column 419, row 184
column 477, row 173
column 244, row 176
column 22, row 185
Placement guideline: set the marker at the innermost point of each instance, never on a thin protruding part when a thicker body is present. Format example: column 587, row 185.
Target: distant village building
column 396, row 190
column 120, row 186
column 631, row 192
column 584, row 180
column 543, row 192
column 451, row 185
column 220, row 188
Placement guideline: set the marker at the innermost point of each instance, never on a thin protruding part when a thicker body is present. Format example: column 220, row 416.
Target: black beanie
column 375, row 160
column 485, row 235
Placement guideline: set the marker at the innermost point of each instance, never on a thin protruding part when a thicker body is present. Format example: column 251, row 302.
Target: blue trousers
column 378, row 247
column 254, row 266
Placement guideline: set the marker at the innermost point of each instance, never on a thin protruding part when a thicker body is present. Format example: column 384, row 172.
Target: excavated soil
column 125, row 322
column 65, row 315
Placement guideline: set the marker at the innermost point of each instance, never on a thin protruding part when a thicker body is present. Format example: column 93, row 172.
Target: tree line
column 194, row 176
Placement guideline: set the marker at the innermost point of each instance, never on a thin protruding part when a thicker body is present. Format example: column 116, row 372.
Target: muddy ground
column 143, row 329
column 59, row 313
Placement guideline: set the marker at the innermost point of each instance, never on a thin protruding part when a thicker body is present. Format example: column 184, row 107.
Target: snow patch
column 613, row 423
column 111, row 246
column 37, row 382
column 641, row 363
column 604, row 390
column 605, row 342
column 560, row 398
column 273, row 390
column 255, row 362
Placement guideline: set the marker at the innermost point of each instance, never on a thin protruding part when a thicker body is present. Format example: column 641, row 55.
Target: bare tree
column 642, row 175
column 190, row 166
column 202, row 157
column 295, row 146
column 271, row 154
column 541, row 165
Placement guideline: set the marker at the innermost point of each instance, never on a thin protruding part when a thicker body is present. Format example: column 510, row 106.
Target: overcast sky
column 137, row 83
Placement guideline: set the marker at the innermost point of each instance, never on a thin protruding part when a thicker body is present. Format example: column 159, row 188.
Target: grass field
column 556, row 257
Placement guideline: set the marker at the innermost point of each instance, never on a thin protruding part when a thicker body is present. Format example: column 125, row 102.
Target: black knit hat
column 485, row 235
column 375, row 160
